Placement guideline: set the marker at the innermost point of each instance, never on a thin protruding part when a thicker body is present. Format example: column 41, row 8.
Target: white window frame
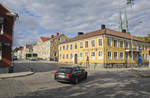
column 81, row 55
column 122, row 44
column 92, row 57
column 109, row 58
column 99, row 42
column 127, row 56
column 71, row 56
column 114, row 55
column 92, row 43
column 67, row 47
column 100, row 56
column 114, row 43
column 87, row 44
column 81, row 44
column 86, row 55
column 70, row 46
column 75, row 46
column 126, row 44
column 67, row 56
column 121, row 58
column 108, row 42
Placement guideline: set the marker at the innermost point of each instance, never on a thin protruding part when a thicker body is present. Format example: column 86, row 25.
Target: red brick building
column 7, row 19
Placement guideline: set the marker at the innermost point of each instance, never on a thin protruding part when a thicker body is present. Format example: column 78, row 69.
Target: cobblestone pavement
column 99, row 84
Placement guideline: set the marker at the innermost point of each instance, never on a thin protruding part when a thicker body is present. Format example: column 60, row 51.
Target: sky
column 46, row 17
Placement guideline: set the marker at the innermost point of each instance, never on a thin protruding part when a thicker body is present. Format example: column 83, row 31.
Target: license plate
column 61, row 76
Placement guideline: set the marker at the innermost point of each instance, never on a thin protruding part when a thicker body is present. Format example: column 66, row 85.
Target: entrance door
column 75, row 58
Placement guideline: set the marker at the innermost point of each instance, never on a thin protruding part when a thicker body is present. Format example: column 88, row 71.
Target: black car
column 70, row 74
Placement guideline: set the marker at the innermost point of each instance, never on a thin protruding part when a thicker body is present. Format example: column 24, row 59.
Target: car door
column 76, row 72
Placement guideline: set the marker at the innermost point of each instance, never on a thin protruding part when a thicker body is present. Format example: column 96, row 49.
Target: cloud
column 71, row 16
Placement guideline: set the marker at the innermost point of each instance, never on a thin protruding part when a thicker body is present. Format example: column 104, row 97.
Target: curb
column 13, row 75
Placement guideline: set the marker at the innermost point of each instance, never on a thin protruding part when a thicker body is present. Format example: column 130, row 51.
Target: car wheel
column 76, row 80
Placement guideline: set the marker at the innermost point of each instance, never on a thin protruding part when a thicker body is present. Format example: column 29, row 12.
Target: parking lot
column 99, row 84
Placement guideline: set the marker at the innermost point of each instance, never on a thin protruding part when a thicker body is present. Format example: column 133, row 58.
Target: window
column 115, row 43
column 63, row 56
column 115, row 55
column 86, row 44
column 0, row 51
column 109, row 43
column 63, row 47
column 70, row 46
column 143, row 57
column 127, row 44
column 121, row 55
column 143, row 47
column 121, row 44
column 93, row 43
column 100, row 55
column 75, row 45
column 86, row 54
column 66, row 56
column 127, row 56
column 100, row 42
column 1, row 25
column 109, row 55
column 146, row 57
column 81, row 45
column 80, row 55
column 67, row 47
column 139, row 46
column 131, row 55
column 70, row 56
column 135, row 45
column 93, row 55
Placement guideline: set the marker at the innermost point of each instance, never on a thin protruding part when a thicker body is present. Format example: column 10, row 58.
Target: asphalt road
column 35, row 66
column 99, row 84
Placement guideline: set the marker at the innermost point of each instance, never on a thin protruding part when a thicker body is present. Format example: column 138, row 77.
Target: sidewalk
column 13, row 75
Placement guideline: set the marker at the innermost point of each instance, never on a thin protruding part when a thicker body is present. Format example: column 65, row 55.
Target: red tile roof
column 104, row 31
column 45, row 38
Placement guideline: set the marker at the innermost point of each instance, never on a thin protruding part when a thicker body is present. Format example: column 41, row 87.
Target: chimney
column 102, row 26
column 52, row 36
column 124, row 30
column 57, row 34
column 80, row 33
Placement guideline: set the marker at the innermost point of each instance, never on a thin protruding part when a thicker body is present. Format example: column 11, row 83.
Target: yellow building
column 47, row 47
column 104, row 48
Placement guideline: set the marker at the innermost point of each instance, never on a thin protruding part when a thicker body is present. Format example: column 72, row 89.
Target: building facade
column 104, row 48
column 26, row 49
column 7, row 19
column 47, row 47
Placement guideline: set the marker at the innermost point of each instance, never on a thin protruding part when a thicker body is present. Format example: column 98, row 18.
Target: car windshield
column 65, row 70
